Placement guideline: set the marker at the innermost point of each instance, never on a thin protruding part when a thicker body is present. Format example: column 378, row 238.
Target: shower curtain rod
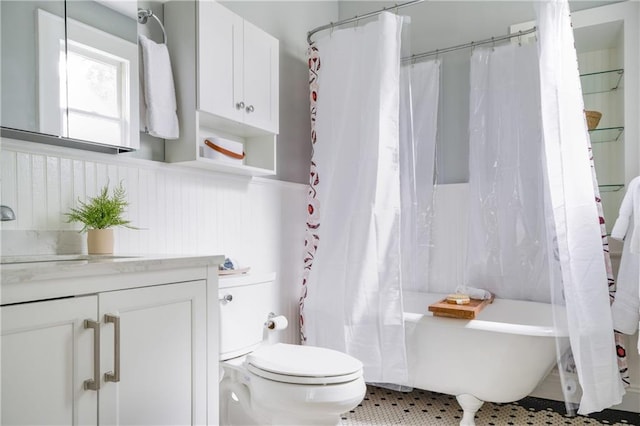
column 359, row 17
column 417, row 56
column 470, row 44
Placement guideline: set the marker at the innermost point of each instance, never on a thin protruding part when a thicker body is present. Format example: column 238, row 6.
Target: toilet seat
column 303, row 365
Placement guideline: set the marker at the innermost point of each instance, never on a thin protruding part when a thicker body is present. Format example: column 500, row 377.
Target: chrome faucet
column 6, row 213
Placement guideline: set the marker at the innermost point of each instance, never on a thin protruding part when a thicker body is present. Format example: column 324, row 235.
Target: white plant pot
column 100, row 241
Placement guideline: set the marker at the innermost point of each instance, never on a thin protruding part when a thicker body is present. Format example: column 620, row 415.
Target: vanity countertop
column 27, row 278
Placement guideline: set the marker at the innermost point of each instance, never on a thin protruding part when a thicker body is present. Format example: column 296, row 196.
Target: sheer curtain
column 507, row 250
column 573, row 211
column 534, row 229
column 352, row 298
column 420, row 88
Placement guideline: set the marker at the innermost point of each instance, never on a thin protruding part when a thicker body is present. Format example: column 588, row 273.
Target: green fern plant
column 103, row 211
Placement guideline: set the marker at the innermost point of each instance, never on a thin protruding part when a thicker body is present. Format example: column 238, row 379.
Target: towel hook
column 143, row 17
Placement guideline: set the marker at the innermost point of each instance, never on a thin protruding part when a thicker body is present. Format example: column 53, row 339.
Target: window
column 96, row 83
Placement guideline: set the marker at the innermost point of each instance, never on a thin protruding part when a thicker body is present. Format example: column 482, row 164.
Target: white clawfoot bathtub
column 501, row 356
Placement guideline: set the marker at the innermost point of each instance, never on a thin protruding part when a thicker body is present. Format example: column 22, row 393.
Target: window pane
column 93, row 85
column 93, row 128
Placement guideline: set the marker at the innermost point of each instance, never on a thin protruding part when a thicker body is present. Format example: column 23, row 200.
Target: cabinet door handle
column 250, row 108
column 94, row 384
column 115, row 375
column 240, row 105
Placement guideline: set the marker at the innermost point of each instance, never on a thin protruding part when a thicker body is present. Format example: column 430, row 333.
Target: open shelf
column 606, row 134
column 601, row 82
column 226, row 167
column 611, row 188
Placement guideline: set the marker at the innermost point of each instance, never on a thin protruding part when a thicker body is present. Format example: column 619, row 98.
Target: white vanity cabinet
column 46, row 356
column 144, row 340
column 226, row 73
column 162, row 349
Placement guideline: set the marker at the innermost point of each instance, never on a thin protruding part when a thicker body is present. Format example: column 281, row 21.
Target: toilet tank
column 245, row 303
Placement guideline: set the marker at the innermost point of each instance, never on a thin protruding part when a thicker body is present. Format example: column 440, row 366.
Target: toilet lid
column 303, row 364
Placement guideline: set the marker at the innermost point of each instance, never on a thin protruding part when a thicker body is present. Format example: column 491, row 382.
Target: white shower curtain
column 507, row 250
column 534, row 225
column 572, row 210
column 352, row 297
column 420, row 87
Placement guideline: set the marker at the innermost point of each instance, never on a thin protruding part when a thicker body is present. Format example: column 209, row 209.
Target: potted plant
column 98, row 216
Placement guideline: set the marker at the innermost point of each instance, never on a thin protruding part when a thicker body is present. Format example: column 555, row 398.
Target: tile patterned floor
column 424, row 408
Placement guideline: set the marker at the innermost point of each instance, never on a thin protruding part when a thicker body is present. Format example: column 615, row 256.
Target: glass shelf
column 606, row 134
column 610, row 188
column 601, row 82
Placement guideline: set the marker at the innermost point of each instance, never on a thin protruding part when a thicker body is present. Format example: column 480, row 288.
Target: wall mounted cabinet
column 237, row 69
column 226, row 87
column 69, row 73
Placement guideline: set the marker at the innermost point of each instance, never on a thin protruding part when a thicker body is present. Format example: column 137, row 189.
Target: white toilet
column 277, row 384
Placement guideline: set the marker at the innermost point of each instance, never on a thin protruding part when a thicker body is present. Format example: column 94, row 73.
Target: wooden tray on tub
column 450, row 310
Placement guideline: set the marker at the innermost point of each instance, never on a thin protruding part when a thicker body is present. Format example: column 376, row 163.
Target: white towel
column 625, row 309
column 161, row 119
column 474, row 293
column 629, row 207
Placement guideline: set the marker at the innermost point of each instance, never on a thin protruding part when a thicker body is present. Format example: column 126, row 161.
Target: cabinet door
column 261, row 74
column 162, row 348
column 47, row 354
column 219, row 61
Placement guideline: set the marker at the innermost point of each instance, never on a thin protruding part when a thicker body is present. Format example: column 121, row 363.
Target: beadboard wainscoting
column 259, row 222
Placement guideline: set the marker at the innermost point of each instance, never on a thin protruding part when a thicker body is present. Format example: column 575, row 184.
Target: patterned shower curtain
column 621, row 350
column 352, row 299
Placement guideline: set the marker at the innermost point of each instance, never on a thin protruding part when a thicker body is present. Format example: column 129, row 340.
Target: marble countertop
column 44, row 276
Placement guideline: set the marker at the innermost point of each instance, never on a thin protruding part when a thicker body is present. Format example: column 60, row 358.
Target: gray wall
column 288, row 21
column 435, row 24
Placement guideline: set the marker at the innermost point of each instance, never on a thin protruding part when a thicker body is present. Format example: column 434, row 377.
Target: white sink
column 11, row 260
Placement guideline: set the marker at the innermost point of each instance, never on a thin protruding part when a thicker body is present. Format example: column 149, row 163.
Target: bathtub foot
column 470, row 405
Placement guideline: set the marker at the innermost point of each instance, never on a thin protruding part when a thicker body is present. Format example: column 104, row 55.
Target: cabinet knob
column 226, row 298
column 240, row 105
column 250, row 108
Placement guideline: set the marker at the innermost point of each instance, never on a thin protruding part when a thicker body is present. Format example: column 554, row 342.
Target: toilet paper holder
column 276, row 322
